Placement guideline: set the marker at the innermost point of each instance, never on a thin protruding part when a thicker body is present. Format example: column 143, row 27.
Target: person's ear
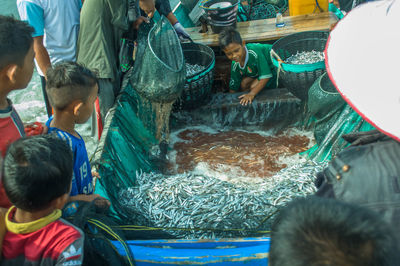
column 77, row 108
column 11, row 72
column 59, row 202
column 243, row 43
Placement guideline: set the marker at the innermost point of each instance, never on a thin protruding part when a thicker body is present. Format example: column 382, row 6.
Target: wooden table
column 265, row 29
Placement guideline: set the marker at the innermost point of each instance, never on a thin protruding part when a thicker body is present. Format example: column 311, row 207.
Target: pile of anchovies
column 305, row 57
column 193, row 206
column 193, row 69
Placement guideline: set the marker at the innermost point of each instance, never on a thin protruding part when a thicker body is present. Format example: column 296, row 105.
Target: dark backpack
column 366, row 173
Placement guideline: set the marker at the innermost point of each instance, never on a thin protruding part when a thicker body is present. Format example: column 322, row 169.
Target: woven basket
column 197, row 90
column 299, row 78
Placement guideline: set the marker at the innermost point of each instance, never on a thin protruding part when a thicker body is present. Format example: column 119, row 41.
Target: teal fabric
column 298, row 68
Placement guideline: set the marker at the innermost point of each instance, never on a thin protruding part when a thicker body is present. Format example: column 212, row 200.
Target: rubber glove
column 180, row 30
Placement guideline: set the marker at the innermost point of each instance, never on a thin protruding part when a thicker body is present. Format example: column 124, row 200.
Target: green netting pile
column 261, row 9
column 331, row 117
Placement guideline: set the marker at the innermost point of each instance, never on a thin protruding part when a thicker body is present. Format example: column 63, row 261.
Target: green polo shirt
column 257, row 64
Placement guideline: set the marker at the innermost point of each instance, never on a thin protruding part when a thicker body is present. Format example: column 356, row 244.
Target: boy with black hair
column 251, row 65
column 317, row 231
column 72, row 90
column 16, row 68
column 37, row 174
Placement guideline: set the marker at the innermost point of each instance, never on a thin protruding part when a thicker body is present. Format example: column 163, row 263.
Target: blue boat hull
column 241, row 251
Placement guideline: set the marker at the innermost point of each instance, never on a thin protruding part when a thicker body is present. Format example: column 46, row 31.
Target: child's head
column 320, row 231
column 232, row 44
column 37, row 173
column 16, row 53
column 73, row 88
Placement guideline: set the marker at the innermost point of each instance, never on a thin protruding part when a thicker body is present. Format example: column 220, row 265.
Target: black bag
column 366, row 173
column 100, row 229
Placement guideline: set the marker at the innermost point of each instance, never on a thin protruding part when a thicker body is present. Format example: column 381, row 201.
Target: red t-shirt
column 11, row 129
column 47, row 241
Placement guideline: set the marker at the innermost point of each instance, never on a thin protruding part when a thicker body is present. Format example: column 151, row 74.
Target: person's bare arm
column 100, row 201
column 172, row 19
column 249, row 97
column 41, row 55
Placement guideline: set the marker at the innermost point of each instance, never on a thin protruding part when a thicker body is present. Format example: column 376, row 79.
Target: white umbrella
column 362, row 58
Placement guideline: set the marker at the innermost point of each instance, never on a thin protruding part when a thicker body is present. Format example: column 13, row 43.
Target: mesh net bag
column 331, row 118
column 261, row 9
column 159, row 55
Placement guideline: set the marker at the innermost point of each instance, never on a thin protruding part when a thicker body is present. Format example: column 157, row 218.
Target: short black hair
column 320, row 231
column 67, row 82
column 15, row 41
column 37, row 170
column 228, row 36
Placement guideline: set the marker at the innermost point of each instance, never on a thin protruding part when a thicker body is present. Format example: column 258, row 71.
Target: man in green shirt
column 251, row 65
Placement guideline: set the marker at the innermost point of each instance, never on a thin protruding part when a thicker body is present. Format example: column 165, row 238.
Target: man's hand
column 148, row 6
column 139, row 21
column 180, row 30
column 246, row 98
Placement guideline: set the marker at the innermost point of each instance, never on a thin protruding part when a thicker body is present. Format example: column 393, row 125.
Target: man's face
column 235, row 52
column 148, row 6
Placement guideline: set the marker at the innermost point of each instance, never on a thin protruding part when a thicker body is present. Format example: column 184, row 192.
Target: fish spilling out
column 196, row 206
column 306, row 57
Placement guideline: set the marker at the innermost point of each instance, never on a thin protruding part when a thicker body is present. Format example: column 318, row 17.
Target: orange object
column 34, row 129
column 302, row 7
column 98, row 116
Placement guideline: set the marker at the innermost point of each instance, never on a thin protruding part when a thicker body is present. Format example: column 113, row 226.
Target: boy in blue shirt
column 72, row 90
column 251, row 65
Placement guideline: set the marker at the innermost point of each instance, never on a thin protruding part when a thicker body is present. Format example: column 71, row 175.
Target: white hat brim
column 362, row 58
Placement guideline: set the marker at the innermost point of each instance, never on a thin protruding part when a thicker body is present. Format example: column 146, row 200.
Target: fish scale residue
column 249, row 154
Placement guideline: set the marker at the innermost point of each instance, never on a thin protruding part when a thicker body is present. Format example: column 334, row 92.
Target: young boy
column 16, row 68
column 319, row 231
column 251, row 65
column 72, row 90
column 37, row 176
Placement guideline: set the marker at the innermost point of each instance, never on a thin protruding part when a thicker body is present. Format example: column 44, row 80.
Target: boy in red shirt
column 16, row 68
column 37, row 175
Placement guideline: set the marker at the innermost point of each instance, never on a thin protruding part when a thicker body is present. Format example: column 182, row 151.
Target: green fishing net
column 331, row 117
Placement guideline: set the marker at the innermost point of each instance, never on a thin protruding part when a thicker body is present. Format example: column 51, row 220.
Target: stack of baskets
column 197, row 90
column 299, row 78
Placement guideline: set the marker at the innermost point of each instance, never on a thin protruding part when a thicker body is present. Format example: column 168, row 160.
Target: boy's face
column 24, row 73
column 235, row 52
column 86, row 109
